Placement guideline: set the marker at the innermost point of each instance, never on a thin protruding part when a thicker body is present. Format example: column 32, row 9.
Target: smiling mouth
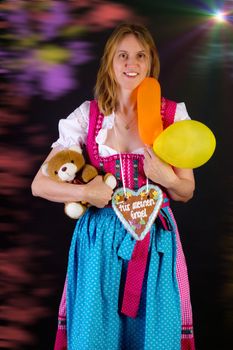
column 131, row 74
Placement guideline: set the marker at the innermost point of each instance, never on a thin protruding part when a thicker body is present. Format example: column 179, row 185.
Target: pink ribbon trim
column 134, row 279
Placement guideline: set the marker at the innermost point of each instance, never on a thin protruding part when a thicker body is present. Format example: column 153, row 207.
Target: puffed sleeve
column 181, row 112
column 73, row 130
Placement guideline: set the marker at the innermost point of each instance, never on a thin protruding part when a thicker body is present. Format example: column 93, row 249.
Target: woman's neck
column 127, row 102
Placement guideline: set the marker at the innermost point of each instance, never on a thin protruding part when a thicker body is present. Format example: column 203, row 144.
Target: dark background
column 41, row 84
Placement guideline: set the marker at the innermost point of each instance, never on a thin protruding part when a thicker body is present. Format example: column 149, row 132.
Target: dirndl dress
column 90, row 313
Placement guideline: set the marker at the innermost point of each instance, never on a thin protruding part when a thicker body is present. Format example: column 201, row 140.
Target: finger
column 147, row 154
column 146, row 164
column 150, row 152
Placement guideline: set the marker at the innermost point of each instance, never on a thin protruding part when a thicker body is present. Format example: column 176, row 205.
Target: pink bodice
column 132, row 163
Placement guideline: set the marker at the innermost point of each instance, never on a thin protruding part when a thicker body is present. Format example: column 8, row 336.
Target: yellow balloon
column 185, row 144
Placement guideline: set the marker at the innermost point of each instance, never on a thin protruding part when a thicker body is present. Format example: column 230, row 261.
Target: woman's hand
column 97, row 193
column 156, row 170
column 179, row 183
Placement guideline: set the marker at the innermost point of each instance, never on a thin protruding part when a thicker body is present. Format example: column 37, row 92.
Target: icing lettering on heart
column 137, row 210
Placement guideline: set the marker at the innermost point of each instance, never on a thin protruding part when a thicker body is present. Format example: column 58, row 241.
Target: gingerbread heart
column 137, row 210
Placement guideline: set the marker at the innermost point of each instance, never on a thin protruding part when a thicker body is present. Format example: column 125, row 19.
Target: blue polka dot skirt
column 100, row 251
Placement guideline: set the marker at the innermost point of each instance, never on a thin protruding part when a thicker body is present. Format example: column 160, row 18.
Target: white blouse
column 73, row 130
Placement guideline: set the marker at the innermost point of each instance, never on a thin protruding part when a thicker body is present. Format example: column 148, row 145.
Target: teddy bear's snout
column 67, row 172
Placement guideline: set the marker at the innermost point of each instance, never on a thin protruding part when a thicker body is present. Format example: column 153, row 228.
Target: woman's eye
column 141, row 55
column 123, row 55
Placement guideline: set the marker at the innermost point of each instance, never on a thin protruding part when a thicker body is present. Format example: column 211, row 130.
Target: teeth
column 131, row 74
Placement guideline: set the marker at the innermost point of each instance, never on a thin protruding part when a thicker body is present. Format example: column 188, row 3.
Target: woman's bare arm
column 96, row 192
column 179, row 183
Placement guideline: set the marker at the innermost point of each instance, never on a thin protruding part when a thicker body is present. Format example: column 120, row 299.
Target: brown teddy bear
column 68, row 165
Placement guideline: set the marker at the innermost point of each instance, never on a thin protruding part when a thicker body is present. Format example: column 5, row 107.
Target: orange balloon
column 149, row 110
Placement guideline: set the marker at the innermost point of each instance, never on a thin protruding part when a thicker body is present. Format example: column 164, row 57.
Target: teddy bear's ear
column 44, row 169
column 76, row 148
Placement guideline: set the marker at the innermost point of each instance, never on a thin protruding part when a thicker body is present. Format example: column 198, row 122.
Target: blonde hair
column 106, row 86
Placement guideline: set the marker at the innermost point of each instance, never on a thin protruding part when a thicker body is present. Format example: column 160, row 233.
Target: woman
column 99, row 315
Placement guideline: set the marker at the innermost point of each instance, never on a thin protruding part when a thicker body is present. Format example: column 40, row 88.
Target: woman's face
column 131, row 63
